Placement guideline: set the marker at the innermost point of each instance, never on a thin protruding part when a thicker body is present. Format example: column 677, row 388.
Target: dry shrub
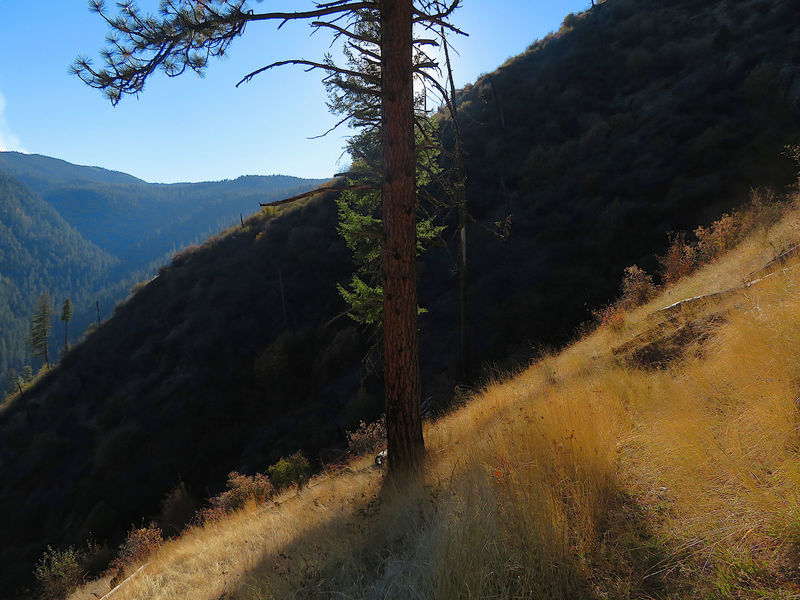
column 637, row 287
column 368, row 438
column 139, row 544
column 730, row 229
column 241, row 490
column 679, row 261
column 611, row 316
column 723, row 235
column 210, row 514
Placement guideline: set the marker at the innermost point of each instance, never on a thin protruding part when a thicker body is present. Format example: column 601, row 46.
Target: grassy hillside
column 233, row 356
column 592, row 473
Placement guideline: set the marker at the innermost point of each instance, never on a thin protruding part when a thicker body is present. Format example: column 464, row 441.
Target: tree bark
column 399, row 199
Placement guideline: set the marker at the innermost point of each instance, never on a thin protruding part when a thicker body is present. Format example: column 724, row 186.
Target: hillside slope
column 233, row 355
column 634, row 120
column 42, row 172
column 594, row 473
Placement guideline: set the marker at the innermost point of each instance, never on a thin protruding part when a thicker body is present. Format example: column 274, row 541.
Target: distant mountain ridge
column 39, row 171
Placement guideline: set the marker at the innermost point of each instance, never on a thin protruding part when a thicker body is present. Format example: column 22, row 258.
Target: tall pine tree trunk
column 399, row 199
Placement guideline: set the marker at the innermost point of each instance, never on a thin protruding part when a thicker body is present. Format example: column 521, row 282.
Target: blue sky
column 193, row 129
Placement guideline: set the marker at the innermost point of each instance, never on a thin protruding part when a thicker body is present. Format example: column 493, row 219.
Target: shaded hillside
column 195, row 372
column 39, row 253
column 633, row 121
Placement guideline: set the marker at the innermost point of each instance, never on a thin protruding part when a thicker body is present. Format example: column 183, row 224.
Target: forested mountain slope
column 142, row 221
column 138, row 226
column 202, row 368
column 39, row 252
column 636, row 119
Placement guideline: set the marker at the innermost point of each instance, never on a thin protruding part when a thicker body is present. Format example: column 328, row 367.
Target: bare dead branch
column 311, row 66
column 332, row 129
column 321, row 190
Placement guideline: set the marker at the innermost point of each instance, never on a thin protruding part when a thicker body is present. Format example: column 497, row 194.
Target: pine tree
column 41, row 324
column 66, row 316
column 187, row 33
column 360, row 224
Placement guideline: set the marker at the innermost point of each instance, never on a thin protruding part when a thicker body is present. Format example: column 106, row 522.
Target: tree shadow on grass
column 384, row 544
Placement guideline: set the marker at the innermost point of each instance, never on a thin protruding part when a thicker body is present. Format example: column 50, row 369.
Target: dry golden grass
column 584, row 476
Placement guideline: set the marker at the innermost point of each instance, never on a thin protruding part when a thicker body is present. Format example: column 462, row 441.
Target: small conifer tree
column 66, row 316
column 41, row 324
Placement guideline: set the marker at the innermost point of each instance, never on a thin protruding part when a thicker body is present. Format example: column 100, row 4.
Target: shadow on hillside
column 631, row 560
column 384, row 546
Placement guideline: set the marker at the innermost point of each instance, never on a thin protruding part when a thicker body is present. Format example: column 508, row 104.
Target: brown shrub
column 612, row 316
column 730, row 229
column 139, row 544
column 721, row 236
column 679, row 260
column 637, row 287
column 241, row 489
column 368, row 438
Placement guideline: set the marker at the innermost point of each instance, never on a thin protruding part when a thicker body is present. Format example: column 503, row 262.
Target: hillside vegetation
column 593, row 473
column 634, row 120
